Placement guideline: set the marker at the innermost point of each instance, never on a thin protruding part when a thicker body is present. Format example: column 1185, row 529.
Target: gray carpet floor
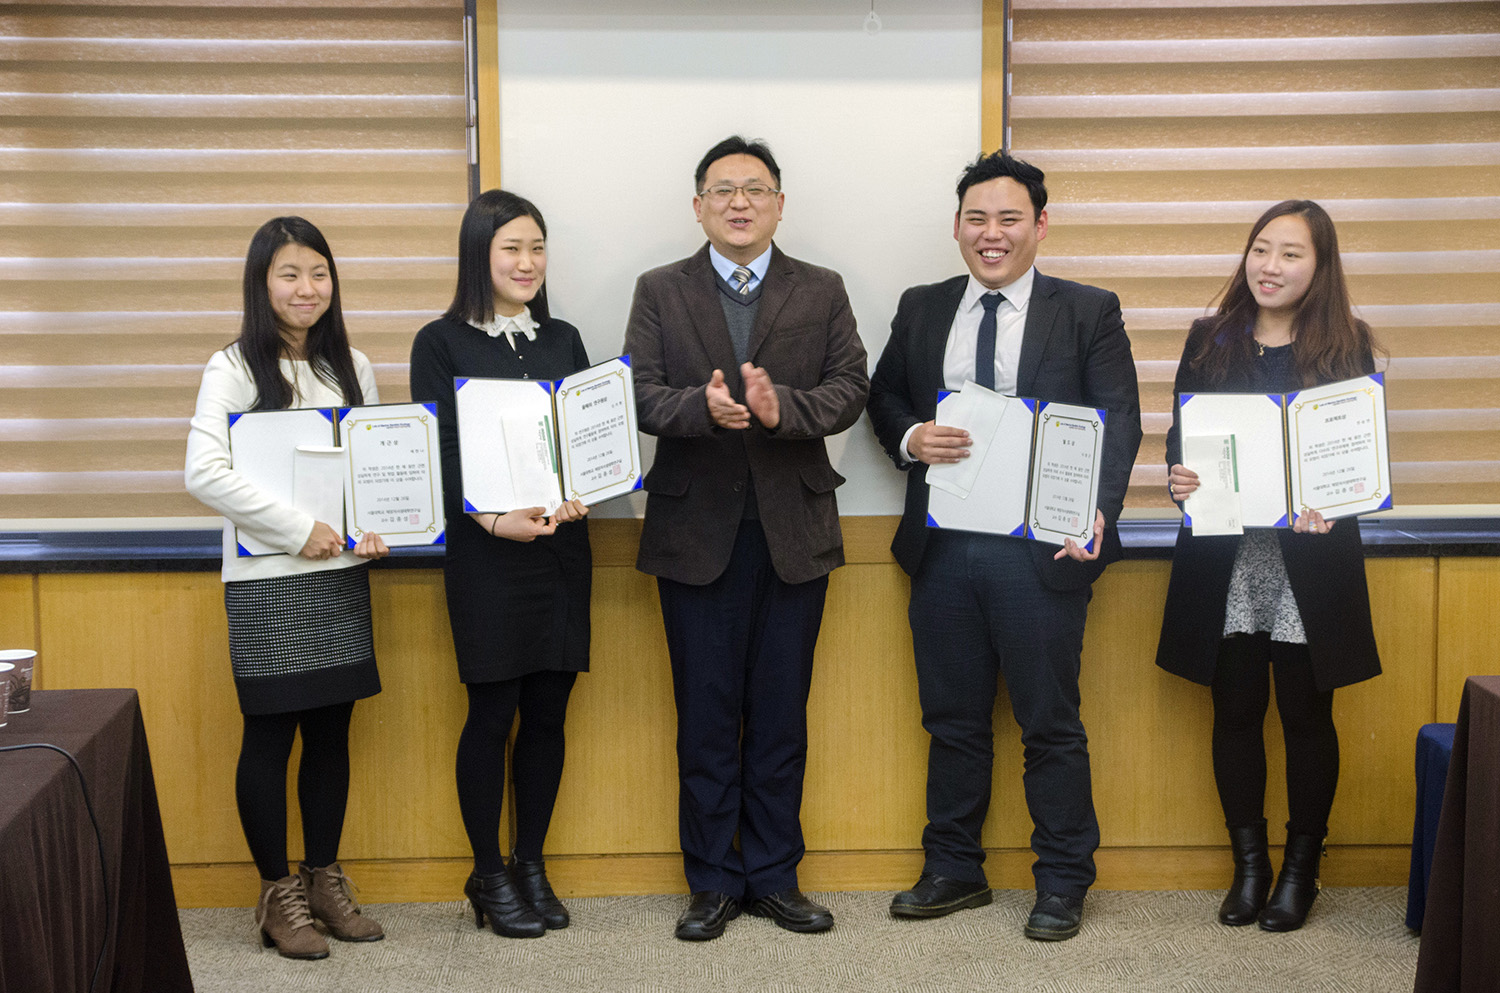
column 1355, row 940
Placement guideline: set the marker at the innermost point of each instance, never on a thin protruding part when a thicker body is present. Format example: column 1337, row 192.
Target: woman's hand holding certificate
column 1181, row 482
column 371, row 546
column 523, row 524
column 323, row 543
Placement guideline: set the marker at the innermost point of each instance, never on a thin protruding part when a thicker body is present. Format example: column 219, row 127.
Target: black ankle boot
column 531, row 881
column 1296, row 886
column 1252, row 875
column 495, row 897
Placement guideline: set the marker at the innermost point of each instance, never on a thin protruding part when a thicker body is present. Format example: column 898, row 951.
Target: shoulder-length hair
column 1328, row 342
column 262, row 346
column 474, row 299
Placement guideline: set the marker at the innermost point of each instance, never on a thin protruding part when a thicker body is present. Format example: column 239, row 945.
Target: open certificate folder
column 395, row 480
column 1261, row 458
column 356, row 469
column 263, row 449
column 1032, row 470
column 534, row 443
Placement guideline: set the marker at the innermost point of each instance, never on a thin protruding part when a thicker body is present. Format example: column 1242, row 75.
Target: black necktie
column 984, row 345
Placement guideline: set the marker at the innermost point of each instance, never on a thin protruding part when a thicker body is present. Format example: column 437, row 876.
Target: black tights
column 537, row 761
column 1241, row 692
column 322, row 784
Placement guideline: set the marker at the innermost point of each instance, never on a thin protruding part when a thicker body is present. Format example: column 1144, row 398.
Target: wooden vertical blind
column 140, row 147
column 1165, row 128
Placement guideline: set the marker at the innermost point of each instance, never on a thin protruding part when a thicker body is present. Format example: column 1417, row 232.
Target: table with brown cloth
column 53, row 917
column 1460, row 951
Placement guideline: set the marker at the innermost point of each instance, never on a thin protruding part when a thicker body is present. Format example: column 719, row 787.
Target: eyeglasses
column 755, row 193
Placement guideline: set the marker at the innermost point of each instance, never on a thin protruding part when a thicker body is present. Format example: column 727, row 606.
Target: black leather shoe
column 1054, row 918
column 707, row 914
column 495, row 897
column 531, row 882
column 935, row 896
column 793, row 911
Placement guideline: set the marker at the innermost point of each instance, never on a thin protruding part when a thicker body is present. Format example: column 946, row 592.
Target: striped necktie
column 741, row 277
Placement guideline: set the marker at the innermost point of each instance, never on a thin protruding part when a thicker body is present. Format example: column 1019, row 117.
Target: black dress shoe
column 793, row 911
column 707, row 914
column 1054, row 918
column 935, row 896
column 531, row 882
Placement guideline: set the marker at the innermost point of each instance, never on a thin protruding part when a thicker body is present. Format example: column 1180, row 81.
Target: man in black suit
column 986, row 606
column 745, row 360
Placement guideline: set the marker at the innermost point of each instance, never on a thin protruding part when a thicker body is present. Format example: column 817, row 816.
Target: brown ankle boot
column 330, row 897
column 285, row 921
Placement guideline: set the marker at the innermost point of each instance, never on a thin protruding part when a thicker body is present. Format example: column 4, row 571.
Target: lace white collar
column 521, row 323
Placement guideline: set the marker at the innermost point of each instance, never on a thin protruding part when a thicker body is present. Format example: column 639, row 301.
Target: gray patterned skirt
column 1260, row 594
column 303, row 641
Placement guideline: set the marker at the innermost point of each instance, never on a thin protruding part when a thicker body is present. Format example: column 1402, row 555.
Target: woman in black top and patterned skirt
column 1289, row 602
column 517, row 583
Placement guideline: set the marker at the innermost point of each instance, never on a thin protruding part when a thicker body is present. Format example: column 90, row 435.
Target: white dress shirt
column 1010, row 328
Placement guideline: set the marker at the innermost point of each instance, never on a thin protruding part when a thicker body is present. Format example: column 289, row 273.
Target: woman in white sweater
column 300, row 641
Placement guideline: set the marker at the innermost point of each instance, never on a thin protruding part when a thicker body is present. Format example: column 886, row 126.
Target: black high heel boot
column 495, row 897
column 1252, row 875
column 1296, row 886
column 531, row 882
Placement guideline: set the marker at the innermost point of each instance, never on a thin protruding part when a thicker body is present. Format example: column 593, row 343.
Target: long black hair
column 326, row 348
column 474, row 300
column 1328, row 342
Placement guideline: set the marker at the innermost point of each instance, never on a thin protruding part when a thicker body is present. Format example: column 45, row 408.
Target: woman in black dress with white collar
column 1289, row 602
column 517, row 583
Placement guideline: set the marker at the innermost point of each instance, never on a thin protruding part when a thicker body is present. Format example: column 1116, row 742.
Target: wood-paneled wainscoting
column 615, row 830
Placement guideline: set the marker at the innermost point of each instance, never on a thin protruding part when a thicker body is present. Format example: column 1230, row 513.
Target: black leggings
column 537, row 760
column 322, row 784
column 1241, row 693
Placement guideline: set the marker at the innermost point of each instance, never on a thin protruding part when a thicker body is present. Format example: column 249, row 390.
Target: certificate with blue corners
column 1263, row 458
column 263, row 450
column 535, row 443
column 393, row 476
column 1032, row 470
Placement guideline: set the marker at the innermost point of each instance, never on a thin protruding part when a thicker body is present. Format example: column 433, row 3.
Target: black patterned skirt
column 303, row 641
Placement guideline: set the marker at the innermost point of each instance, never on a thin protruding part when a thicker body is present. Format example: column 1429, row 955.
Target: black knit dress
column 515, row 607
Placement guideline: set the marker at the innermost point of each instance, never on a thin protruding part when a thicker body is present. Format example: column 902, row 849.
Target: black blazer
column 1074, row 350
column 805, row 339
column 1326, row 571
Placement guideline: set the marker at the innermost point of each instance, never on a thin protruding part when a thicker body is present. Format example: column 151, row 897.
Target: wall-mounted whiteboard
column 606, row 107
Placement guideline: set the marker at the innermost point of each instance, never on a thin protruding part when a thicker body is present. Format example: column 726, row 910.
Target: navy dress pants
column 742, row 655
column 979, row 612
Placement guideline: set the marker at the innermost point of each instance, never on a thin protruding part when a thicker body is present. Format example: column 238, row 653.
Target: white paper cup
column 7, row 683
column 24, row 660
